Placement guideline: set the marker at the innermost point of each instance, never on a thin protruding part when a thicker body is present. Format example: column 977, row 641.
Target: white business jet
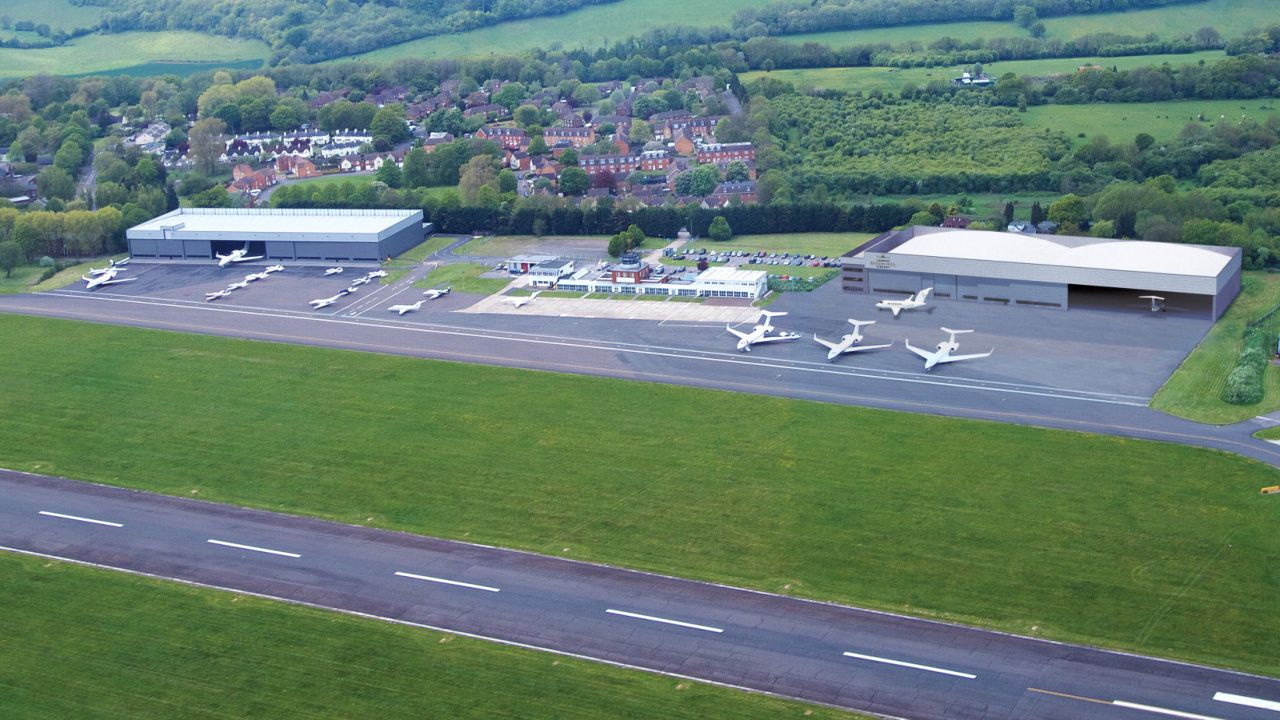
column 360, row 281
column 402, row 309
column 217, row 295
column 519, row 302
column 238, row 285
column 760, row 333
column 945, row 348
column 95, row 272
column 236, row 256
column 333, row 271
column 1157, row 302
column 354, row 287
column 849, row 343
column 326, row 302
column 257, row 276
column 274, row 269
column 106, row 277
column 910, row 303
column 435, row 293
column 377, row 274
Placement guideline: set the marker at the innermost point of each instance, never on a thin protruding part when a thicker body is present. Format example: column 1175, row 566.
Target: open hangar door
column 1091, row 297
column 225, row 247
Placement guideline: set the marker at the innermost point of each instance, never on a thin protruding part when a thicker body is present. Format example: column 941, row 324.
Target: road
column 687, row 355
column 819, row 652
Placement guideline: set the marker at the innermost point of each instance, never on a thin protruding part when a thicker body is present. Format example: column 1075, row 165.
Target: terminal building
column 632, row 276
column 301, row 234
column 1055, row 271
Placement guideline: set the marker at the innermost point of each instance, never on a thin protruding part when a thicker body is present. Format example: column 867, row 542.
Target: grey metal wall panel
column 409, row 236
column 281, row 250
column 195, row 248
column 142, row 248
column 890, row 281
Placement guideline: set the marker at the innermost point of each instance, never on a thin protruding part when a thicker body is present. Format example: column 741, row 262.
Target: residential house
column 725, row 152
column 253, row 182
column 510, row 138
column 435, row 140
column 575, row 136
column 727, row 192
column 295, row 166
column 492, row 111
column 701, row 127
column 371, row 162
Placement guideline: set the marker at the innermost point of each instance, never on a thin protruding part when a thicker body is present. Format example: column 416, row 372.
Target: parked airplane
column 434, row 293
column 106, row 277
column 1157, row 302
column 257, row 276
column 849, row 343
column 94, row 272
column 402, row 309
column 377, row 274
column 218, row 295
column 333, row 271
column 910, row 303
column 519, row 302
column 760, row 333
column 360, row 281
column 236, row 256
column 326, row 302
column 354, row 287
column 238, row 285
column 274, row 269
column 945, row 348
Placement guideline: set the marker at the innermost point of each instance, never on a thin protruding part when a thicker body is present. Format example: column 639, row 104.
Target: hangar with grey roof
column 1056, row 271
column 321, row 235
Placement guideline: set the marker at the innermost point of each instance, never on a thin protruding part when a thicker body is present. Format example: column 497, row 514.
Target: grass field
column 889, row 79
column 1159, row 548
column 220, row 655
column 508, row 245
column 1230, row 17
column 465, row 278
column 1194, row 390
column 103, row 53
column 21, row 280
column 828, row 244
column 589, row 27
column 1120, row 122
column 57, row 14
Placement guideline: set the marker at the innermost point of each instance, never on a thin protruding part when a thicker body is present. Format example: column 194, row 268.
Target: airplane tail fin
column 534, row 294
column 923, row 294
column 949, row 331
column 772, row 314
column 860, row 323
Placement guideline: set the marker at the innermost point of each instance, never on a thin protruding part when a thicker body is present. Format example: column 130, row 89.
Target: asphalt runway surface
column 819, row 652
column 1090, row 371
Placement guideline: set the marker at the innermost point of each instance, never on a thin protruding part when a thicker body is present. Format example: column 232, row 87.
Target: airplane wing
column 777, row 338
column 922, row 353
column 120, row 280
column 826, row 343
column 741, row 335
column 974, row 356
column 857, row 348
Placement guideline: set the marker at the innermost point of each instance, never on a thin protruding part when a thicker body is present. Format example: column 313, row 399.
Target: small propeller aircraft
column 326, row 302
column 274, row 269
column 333, row 271
column 945, row 348
column 95, row 272
column 1157, row 302
column 360, row 281
column 236, row 256
column 106, row 277
column 402, row 309
column 217, row 295
column 849, row 343
column 257, row 276
column 434, row 293
column 910, row 303
column 519, row 302
column 238, row 285
column 760, row 333
column 377, row 274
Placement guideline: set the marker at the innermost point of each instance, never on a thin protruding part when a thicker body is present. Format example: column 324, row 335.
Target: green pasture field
column 590, row 27
column 76, row 645
column 21, row 280
column 508, row 245
column 1194, row 390
column 1230, row 17
column 816, row 243
column 464, row 277
column 865, row 79
column 1151, row 547
column 57, row 14
column 1120, row 122
column 103, row 53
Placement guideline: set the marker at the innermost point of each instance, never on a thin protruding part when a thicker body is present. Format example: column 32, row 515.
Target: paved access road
column 841, row 656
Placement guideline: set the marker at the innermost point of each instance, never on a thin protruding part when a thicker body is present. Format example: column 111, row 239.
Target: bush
column 1245, row 382
column 47, row 262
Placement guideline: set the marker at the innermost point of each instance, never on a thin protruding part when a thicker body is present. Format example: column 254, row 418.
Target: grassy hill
column 105, row 53
column 57, row 14
column 1122, row 121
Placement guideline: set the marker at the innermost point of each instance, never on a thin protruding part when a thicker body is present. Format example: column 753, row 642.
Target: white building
column 713, row 282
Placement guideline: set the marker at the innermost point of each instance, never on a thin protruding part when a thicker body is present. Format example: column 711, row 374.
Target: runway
column 819, row 652
column 1087, row 396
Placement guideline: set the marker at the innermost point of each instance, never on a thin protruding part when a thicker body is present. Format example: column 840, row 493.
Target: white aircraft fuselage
column 106, row 277
column 402, row 309
column 912, row 302
column 944, row 349
column 849, row 342
column 236, row 256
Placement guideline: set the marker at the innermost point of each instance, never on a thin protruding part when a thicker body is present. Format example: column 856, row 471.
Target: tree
column 288, row 114
column 700, row 181
column 1008, row 212
column 388, row 126
column 10, row 257
column 1068, row 212
column 506, row 181
column 1143, row 141
column 69, row 158
column 641, row 131
column 635, row 236
column 207, row 140
column 480, row 171
column 574, row 181
column 737, row 171
column 415, row 168
column 720, row 230
column 389, row 174
column 569, row 158
column 54, row 182
column 538, row 146
column 617, row 245
column 527, row 115
column 1025, row 16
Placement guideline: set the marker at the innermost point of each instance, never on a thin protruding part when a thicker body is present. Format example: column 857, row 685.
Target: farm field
column 222, row 655
column 889, row 79
column 57, row 14
column 589, row 27
column 1195, row 388
column 105, row 53
column 1229, row 17
column 933, row 523
column 508, row 245
column 828, row 244
column 1120, row 122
